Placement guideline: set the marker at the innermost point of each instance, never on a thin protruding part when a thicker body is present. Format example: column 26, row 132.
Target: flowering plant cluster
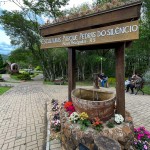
column 74, row 117
column 118, row 118
column 83, row 116
column 55, row 123
column 69, row 107
column 55, row 105
column 142, row 138
column 84, row 120
column 97, row 124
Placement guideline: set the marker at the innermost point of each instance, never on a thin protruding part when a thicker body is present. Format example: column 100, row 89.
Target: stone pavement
column 22, row 118
column 23, row 114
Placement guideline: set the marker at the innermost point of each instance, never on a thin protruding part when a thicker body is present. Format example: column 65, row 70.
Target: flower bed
column 78, row 128
column 74, row 129
column 142, row 139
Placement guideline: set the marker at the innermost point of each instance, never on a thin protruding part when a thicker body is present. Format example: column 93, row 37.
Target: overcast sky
column 5, row 46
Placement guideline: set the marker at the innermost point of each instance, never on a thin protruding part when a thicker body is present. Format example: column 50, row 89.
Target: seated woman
column 103, row 79
column 135, row 80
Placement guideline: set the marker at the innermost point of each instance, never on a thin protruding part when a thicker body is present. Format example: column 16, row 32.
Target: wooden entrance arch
column 115, row 29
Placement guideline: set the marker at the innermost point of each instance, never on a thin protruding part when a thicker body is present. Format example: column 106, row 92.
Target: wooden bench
column 140, row 87
column 59, row 81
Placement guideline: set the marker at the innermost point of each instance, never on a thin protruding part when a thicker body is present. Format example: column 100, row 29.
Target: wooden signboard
column 115, row 33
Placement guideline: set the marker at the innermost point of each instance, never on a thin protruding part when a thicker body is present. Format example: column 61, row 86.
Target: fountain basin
column 96, row 103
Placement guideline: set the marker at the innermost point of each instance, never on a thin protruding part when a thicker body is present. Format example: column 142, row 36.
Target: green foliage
column 84, row 123
column 3, row 90
column 146, row 76
column 38, row 68
column 23, row 57
column 24, row 76
column 146, row 89
column 111, row 80
column 110, row 124
column 1, row 62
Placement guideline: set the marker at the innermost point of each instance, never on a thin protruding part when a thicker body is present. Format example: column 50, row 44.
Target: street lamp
column 101, row 65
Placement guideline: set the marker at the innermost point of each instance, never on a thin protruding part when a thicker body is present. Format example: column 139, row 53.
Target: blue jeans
column 103, row 82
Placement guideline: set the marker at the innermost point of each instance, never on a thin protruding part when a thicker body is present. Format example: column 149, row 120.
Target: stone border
column 48, row 127
column 54, row 144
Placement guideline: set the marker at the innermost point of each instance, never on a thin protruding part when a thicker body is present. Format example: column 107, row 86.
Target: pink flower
column 139, row 137
column 145, row 146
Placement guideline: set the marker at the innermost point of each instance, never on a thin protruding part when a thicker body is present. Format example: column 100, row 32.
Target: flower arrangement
column 74, row 117
column 69, row 107
column 97, row 124
column 84, row 120
column 118, row 118
column 55, row 124
column 142, row 139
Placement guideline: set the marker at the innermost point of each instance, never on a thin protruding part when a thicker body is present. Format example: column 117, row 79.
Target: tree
column 23, row 26
column 1, row 62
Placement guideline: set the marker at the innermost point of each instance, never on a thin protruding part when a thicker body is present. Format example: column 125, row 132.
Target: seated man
column 103, row 79
column 135, row 80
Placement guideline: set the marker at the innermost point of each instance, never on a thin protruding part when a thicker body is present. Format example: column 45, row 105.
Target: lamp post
column 101, row 65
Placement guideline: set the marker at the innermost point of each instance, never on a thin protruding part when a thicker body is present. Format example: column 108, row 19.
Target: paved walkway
column 23, row 114
column 22, row 117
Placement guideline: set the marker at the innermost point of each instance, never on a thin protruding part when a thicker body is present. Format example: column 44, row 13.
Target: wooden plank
column 115, row 33
column 71, row 71
column 120, row 77
column 107, row 17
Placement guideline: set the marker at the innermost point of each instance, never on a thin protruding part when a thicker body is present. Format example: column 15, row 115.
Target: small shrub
column 110, row 124
column 24, row 76
column 146, row 76
column 112, row 80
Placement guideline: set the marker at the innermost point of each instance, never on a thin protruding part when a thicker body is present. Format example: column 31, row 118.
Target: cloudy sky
column 5, row 46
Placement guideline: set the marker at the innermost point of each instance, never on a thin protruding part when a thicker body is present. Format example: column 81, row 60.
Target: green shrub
column 24, row 76
column 146, row 76
column 38, row 68
column 111, row 80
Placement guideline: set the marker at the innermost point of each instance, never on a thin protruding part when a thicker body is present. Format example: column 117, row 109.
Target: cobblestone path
column 22, row 118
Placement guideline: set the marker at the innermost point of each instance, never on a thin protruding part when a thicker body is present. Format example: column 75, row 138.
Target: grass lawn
column 4, row 89
column 146, row 89
column 14, row 77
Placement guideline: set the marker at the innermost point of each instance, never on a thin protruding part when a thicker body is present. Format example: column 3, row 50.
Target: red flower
column 67, row 104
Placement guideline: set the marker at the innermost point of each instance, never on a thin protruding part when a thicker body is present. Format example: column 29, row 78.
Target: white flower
column 74, row 117
column 118, row 118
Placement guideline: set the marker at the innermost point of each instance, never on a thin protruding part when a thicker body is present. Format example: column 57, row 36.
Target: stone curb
column 51, row 144
column 48, row 128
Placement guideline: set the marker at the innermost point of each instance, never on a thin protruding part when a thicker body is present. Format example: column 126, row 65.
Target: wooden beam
column 71, row 71
column 103, row 18
column 120, row 71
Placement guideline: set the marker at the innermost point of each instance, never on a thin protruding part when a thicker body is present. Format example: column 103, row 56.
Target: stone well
column 96, row 103
column 119, row 137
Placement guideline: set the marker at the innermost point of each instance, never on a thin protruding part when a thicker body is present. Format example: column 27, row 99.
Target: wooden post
column 71, row 71
column 120, row 77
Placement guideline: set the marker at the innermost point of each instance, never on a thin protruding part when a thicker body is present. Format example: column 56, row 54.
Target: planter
column 96, row 103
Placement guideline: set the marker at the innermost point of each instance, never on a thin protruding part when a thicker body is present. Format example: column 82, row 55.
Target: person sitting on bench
column 103, row 79
column 135, row 82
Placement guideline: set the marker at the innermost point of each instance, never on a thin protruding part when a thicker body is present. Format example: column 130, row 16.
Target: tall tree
column 23, row 26
column 1, row 62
